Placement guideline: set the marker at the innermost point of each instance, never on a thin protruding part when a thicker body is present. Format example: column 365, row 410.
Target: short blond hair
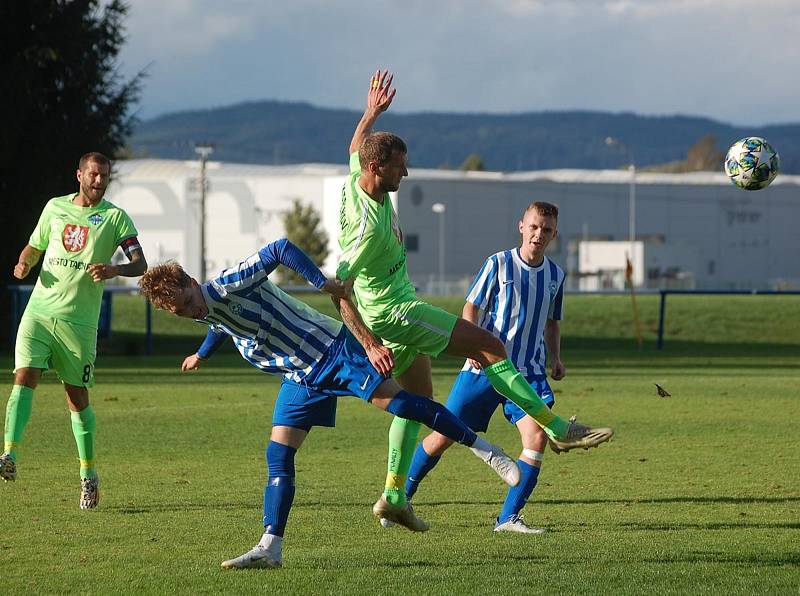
column 162, row 283
column 544, row 209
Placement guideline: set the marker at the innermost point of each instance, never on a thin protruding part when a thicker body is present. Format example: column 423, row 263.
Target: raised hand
column 381, row 93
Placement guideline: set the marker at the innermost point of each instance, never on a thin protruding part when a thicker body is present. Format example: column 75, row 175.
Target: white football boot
column 264, row 555
column 516, row 524
column 496, row 458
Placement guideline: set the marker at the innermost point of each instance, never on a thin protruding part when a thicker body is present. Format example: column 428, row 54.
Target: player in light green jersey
column 373, row 255
column 77, row 234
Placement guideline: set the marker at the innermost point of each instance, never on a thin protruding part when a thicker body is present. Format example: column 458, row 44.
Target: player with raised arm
column 319, row 360
column 77, row 234
column 525, row 282
column 373, row 255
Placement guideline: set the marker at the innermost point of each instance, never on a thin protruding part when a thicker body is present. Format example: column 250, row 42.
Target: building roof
column 173, row 168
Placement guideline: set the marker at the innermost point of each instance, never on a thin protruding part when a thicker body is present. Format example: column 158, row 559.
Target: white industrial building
column 693, row 230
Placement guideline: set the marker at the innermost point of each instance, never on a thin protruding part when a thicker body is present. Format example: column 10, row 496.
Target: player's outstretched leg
column 438, row 418
column 579, row 436
column 471, row 341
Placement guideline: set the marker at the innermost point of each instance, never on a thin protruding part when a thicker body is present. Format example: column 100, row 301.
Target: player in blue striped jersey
column 518, row 296
column 319, row 360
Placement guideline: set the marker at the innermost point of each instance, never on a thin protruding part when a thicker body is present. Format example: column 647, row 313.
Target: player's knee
column 28, row 377
column 492, row 348
column 77, row 398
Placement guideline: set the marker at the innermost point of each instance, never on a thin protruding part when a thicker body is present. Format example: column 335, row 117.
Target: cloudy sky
column 736, row 61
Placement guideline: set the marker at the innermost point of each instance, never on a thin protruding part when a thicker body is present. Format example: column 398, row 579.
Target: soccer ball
column 751, row 163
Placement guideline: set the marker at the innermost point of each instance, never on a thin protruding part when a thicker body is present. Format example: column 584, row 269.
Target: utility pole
column 203, row 150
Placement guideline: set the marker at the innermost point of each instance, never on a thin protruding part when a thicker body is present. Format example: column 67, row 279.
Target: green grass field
column 698, row 493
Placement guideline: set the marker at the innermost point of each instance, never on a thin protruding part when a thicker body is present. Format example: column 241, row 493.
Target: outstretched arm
column 214, row 339
column 380, row 356
column 379, row 99
column 283, row 252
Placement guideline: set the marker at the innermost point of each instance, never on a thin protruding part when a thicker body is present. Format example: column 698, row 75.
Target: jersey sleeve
column 40, row 238
column 355, row 163
column 214, row 339
column 481, row 290
column 556, row 310
column 283, row 252
column 125, row 228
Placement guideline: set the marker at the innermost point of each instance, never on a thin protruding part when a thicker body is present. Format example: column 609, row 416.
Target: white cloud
column 706, row 57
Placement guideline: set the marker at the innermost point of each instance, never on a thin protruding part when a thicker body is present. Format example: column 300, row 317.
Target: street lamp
column 611, row 142
column 203, row 150
column 440, row 208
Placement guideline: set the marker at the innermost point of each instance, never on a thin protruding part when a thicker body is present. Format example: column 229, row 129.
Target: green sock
column 402, row 442
column 508, row 381
column 18, row 412
column 83, row 425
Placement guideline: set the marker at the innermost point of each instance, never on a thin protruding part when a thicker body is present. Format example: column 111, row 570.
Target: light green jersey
column 372, row 248
column 72, row 238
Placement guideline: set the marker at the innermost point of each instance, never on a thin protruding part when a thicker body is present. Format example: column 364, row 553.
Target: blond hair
column 162, row 283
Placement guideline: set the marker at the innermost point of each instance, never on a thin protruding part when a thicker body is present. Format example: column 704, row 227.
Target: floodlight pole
column 632, row 203
column 440, row 209
column 203, row 151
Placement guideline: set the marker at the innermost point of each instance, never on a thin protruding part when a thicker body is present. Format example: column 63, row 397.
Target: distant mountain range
column 272, row 132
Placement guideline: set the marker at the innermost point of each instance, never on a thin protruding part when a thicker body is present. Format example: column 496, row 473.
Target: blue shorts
column 473, row 399
column 345, row 369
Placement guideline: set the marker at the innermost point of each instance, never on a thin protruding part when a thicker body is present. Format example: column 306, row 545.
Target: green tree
column 62, row 97
column 302, row 226
column 473, row 162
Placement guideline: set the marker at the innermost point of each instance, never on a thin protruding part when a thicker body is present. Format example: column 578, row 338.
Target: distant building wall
column 740, row 239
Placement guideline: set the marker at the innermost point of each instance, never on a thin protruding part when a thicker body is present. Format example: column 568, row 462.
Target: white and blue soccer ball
column 752, row 163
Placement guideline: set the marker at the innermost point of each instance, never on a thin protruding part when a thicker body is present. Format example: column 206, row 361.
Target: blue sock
column 518, row 495
column 279, row 492
column 420, row 466
column 433, row 415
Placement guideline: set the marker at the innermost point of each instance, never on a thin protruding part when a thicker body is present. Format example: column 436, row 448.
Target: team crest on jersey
column 553, row 288
column 74, row 237
column 95, row 219
column 235, row 308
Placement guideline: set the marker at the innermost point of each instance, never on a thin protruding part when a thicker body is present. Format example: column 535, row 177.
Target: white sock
column 481, row 448
column 271, row 542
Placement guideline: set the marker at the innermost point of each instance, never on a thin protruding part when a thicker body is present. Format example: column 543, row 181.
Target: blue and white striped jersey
column 272, row 330
column 516, row 300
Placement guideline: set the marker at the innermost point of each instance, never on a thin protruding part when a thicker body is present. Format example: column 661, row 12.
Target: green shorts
column 70, row 349
column 412, row 328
